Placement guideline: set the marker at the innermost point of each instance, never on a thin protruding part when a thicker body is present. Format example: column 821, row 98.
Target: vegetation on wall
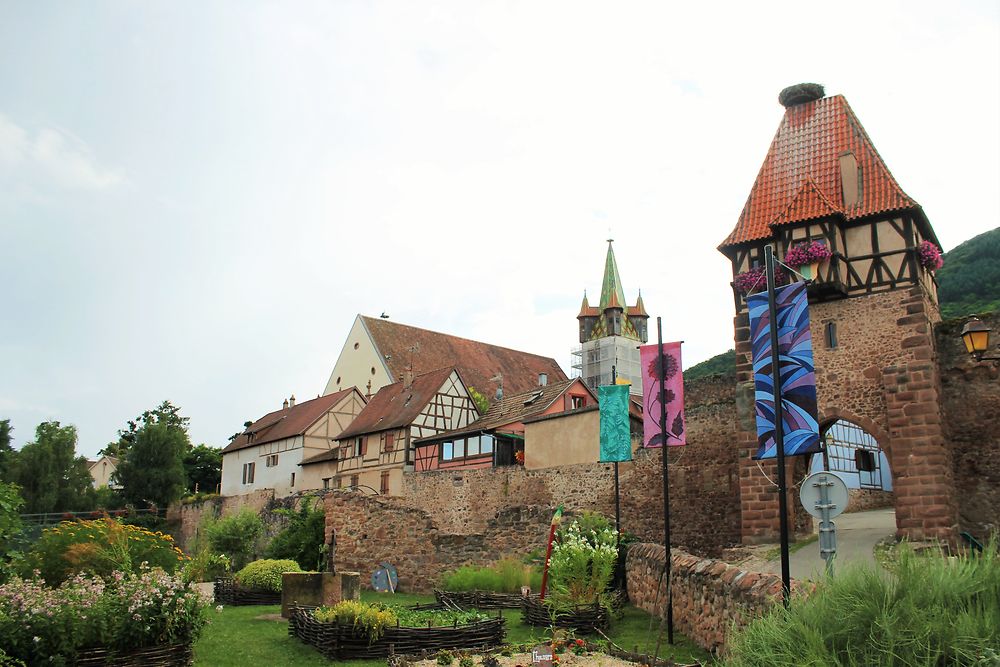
column 303, row 539
column 720, row 364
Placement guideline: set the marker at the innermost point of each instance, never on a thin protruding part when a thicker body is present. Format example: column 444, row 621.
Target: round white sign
column 810, row 493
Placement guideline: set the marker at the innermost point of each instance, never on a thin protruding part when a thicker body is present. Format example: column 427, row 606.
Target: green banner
column 616, row 436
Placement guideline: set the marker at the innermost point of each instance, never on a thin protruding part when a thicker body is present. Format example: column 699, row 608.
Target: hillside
column 969, row 281
column 720, row 364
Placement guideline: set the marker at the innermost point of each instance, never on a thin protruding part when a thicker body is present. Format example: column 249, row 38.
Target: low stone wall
column 709, row 596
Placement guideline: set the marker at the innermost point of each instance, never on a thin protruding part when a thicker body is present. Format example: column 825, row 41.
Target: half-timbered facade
column 496, row 438
column 873, row 307
column 378, row 447
column 267, row 454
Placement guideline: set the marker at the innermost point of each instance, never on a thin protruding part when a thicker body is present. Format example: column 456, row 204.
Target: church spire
column 612, row 294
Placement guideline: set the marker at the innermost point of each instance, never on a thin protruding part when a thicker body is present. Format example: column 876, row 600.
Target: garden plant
column 265, row 575
column 507, row 576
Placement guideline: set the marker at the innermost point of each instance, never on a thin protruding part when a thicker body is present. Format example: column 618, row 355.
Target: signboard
column 541, row 655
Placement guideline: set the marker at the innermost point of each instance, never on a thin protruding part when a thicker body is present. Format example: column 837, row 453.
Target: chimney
column 291, row 401
column 543, row 379
column 284, row 405
column 408, row 378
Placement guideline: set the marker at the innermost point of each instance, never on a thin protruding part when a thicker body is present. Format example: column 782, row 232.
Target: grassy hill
column 969, row 281
column 720, row 364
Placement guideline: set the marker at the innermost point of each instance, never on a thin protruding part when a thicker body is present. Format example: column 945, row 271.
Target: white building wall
column 358, row 364
column 277, row 477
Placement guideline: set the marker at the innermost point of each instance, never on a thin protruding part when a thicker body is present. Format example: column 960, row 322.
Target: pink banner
column 673, row 395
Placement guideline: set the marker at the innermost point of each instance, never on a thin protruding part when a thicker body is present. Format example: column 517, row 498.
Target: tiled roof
column 800, row 177
column 331, row 454
column 395, row 405
column 515, row 408
column 287, row 422
column 476, row 362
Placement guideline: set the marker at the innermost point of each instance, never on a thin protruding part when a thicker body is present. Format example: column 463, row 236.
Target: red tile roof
column 477, row 362
column 515, row 408
column 800, row 177
column 287, row 422
column 395, row 405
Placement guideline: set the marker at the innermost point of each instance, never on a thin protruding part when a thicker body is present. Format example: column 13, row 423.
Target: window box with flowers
column 929, row 256
column 753, row 280
column 807, row 256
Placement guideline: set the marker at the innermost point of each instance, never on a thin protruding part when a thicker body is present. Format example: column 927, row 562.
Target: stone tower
column 610, row 332
column 872, row 310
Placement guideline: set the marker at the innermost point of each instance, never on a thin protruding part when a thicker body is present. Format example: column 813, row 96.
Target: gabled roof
column 331, row 454
column 396, row 405
column 476, row 362
column 800, row 177
column 287, row 422
column 515, row 408
column 612, row 294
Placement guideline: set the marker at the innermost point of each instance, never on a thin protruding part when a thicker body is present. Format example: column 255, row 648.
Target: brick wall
column 971, row 401
column 709, row 596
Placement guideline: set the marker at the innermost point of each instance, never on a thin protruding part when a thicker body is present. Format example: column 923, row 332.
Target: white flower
column 36, row 639
column 219, row 609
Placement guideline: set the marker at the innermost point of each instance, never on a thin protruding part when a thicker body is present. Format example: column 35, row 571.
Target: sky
column 197, row 199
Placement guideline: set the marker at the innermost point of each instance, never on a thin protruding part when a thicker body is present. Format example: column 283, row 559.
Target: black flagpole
column 779, row 431
column 619, row 579
column 666, row 484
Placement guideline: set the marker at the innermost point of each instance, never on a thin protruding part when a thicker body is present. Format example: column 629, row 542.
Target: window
column 326, row 482
column 293, row 479
column 248, row 469
column 354, row 481
column 447, row 451
column 487, row 444
column 576, row 402
column 271, row 461
column 472, row 446
column 475, row 445
column 830, row 335
column 384, row 488
column 387, row 441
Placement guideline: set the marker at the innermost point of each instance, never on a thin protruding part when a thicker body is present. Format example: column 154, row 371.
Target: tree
column 165, row 413
column 481, row 401
column 203, row 468
column 152, row 472
column 52, row 478
column 10, row 526
column 7, row 453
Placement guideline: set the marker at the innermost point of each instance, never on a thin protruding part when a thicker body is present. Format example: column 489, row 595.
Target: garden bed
column 167, row 655
column 585, row 618
column 343, row 641
column 478, row 599
column 228, row 591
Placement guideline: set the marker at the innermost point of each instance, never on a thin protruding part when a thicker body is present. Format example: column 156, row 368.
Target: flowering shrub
column 929, row 256
column 126, row 611
column 102, row 547
column 807, row 252
column 753, row 280
column 581, row 566
column 265, row 575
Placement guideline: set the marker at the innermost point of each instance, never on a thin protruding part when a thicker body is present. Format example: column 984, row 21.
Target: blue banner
column 795, row 370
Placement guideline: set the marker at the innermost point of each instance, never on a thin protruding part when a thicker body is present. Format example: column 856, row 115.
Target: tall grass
column 507, row 576
column 928, row 611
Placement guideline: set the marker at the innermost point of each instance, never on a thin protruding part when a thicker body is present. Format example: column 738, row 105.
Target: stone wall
column 862, row 500
column 703, row 484
column 709, row 596
column 971, row 401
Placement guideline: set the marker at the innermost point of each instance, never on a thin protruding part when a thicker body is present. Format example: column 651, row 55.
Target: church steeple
column 612, row 294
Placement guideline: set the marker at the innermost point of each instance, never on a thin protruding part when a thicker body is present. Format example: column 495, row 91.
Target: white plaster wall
column 354, row 366
column 279, row 477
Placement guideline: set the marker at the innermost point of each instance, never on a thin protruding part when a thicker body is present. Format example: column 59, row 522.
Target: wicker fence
column 228, row 592
column 341, row 641
column 478, row 600
column 585, row 618
column 167, row 655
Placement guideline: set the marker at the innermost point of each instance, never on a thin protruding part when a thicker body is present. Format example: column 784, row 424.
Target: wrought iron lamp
column 976, row 336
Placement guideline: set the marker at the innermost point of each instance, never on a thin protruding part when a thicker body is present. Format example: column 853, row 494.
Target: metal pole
column 779, row 431
column 618, row 508
column 666, row 483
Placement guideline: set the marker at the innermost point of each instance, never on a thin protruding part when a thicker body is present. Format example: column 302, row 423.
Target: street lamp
column 976, row 336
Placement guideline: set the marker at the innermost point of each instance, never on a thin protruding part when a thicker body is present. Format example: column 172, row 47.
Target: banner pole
column 618, row 509
column 666, row 483
column 779, row 431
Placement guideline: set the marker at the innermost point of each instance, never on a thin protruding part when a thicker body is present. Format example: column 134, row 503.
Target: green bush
column 265, row 575
column 929, row 611
column 206, row 566
column 102, row 547
column 507, row 576
column 303, row 539
column 582, row 565
column 370, row 619
column 235, row 535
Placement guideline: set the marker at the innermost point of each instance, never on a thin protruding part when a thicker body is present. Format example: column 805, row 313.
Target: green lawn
column 236, row 638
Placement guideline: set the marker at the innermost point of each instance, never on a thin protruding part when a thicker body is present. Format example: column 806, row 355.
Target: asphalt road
column 857, row 534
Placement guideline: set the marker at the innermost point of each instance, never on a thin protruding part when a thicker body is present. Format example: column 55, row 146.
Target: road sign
column 824, row 495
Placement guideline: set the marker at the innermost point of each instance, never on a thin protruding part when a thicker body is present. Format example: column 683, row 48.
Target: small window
column 389, row 441
column 472, row 446
column 459, row 449
column 487, row 444
column 354, row 481
column 357, row 345
column 293, row 479
column 360, row 446
column 248, row 469
column 384, row 487
column 271, row 461
column 447, row 451
column 326, row 482
column 830, row 335
column 576, row 402
column 373, row 370
column 864, row 460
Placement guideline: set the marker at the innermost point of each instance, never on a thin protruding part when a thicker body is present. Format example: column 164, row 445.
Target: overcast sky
column 196, row 199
